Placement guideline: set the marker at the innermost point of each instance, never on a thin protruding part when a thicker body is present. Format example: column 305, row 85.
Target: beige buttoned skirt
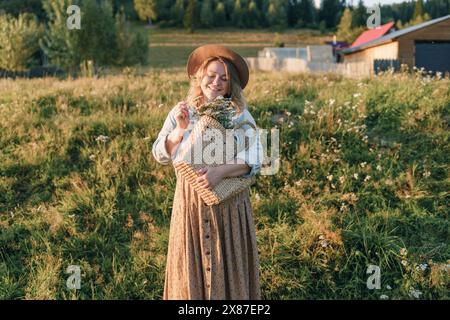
column 212, row 250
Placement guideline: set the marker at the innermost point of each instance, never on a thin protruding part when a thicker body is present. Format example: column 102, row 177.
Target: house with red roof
column 426, row 45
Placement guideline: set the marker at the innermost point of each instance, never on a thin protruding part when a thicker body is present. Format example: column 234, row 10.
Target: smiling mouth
column 215, row 90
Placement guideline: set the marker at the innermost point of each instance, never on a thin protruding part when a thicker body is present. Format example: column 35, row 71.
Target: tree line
column 105, row 39
column 191, row 14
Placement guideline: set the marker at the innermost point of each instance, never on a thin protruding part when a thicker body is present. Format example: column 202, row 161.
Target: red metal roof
column 372, row 34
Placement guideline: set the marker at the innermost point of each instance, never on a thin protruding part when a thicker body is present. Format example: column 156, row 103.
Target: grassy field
column 171, row 47
column 363, row 181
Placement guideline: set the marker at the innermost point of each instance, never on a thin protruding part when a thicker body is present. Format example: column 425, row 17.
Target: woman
column 212, row 250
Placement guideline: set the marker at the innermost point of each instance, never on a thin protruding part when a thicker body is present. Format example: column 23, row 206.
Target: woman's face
column 214, row 82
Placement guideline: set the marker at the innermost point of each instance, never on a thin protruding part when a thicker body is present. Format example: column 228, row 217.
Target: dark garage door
column 433, row 56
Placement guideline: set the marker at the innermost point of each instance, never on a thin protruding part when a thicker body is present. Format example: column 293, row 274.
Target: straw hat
column 211, row 50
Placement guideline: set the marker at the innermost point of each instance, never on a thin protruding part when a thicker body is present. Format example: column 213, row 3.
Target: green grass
column 364, row 173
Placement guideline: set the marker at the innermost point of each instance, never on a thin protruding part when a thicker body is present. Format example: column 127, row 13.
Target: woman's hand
column 209, row 178
column 182, row 115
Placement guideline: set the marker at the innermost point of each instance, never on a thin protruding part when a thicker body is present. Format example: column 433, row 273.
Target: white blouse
column 252, row 156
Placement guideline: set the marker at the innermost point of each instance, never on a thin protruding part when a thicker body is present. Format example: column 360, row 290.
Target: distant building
column 426, row 45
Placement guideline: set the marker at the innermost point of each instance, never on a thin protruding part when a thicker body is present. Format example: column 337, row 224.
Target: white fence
column 348, row 69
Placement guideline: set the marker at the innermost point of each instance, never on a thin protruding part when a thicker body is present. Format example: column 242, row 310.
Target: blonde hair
column 195, row 95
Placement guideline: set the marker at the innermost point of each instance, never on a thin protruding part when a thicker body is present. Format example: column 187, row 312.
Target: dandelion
column 102, row 138
column 384, row 297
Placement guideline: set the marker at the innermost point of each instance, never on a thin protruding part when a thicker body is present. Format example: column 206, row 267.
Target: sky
column 369, row 3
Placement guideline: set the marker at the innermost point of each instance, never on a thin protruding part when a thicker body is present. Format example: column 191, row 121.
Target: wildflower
column 356, row 95
column 288, row 113
column 332, row 101
column 363, row 164
column 403, row 251
column 367, row 178
column 379, row 168
column 257, row 197
column 342, row 179
column 415, row 293
column 330, row 177
column 422, row 266
column 355, row 176
column 404, row 262
column 298, row 182
column 102, row 138
column 426, row 174
column 343, row 207
column 321, row 237
column 92, row 157
column 333, row 186
column 160, row 105
column 388, row 287
column 384, row 297
column 324, row 243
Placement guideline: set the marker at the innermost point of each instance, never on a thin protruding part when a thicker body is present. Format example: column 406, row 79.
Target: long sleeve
column 159, row 150
column 253, row 155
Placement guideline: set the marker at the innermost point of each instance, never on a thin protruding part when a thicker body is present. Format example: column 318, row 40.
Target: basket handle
column 244, row 123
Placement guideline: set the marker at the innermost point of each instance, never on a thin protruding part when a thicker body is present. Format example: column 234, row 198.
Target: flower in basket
column 221, row 109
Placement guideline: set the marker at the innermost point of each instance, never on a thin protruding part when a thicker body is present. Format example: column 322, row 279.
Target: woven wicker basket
column 185, row 167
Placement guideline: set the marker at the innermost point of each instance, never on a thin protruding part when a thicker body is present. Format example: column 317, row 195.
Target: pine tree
column 306, row 13
column 189, row 16
column 206, row 14
column 276, row 14
column 253, row 15
column 177, row 13
column 359, row 15
column 330, row 11
column 345, row 30
column 418, row 9
column 59, row 44
column 236, row 17
column 219, row 15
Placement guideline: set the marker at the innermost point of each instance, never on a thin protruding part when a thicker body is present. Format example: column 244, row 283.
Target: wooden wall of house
column 438, row 31
column 385, row 51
